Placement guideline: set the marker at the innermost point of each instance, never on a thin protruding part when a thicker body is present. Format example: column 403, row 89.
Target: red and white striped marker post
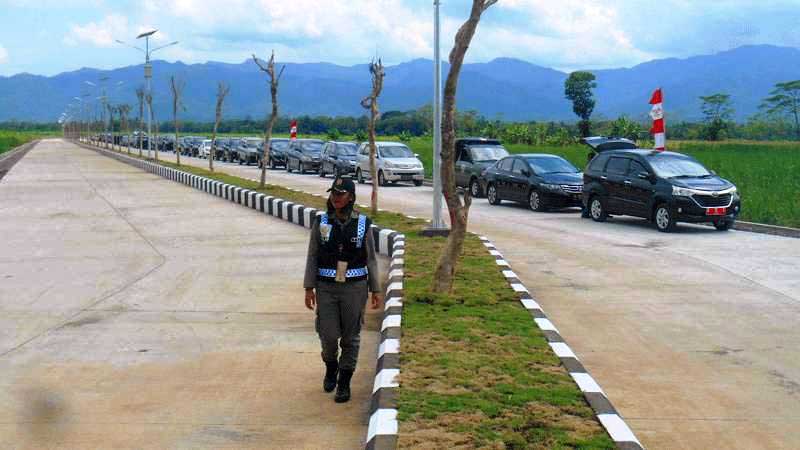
column 293, row 130
column 657, row 113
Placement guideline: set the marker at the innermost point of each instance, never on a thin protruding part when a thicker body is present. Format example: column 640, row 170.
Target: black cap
column 343, row 185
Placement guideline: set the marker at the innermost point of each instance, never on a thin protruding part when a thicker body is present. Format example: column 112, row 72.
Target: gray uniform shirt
column 310, row 280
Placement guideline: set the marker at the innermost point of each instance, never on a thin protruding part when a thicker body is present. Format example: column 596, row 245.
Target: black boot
column 331, row 369
column 343, row 387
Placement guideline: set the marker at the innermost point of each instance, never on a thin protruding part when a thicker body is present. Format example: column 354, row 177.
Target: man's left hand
column 376, row 300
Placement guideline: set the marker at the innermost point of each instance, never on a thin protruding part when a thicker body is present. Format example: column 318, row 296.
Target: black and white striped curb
column 608, row 416
column 382, row 429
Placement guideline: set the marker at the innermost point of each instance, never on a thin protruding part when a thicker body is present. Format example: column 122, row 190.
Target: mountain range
column 504, row 88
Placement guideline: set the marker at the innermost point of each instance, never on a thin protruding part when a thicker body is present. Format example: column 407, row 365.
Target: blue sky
column 50, row 36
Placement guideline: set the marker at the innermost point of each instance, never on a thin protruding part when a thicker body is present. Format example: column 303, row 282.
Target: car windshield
column 487, row 153
column 253, row 143
column 311, row 147
column 395, row 151
column 347, row 149
column 549, row 164
column 279, row 145
column 667, row 166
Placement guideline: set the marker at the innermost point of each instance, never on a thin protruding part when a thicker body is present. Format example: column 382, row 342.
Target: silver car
column 395, row 162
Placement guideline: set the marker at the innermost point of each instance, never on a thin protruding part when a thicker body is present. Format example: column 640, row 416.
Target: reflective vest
column 343, row 244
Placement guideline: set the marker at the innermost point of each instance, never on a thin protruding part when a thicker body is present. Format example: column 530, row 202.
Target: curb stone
column 382, row 428
column 609, row 418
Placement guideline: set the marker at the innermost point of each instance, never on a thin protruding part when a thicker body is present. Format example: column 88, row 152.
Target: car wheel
column 359, row 176
column 417, row 183
column 289, row 165
column 665, row 220
column 723, row 225
column 302, row 168
column 321, row 171
column 597, row 209
column 381, row 179
column 491, row 195
column 475, row 188
column 536, row 202
column 240, row 161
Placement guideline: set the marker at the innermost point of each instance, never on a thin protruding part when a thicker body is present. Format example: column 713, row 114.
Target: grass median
column 476, row 372
column 9, row 140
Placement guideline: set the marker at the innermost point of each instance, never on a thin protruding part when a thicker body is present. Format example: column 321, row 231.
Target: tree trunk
column 371, row 103
column 459, row 212
column 222, row 91
column 274, row 80
column 796, row 119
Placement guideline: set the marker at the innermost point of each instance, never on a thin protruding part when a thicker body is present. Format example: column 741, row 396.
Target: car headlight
column 305, row 158
column 682, row 192
column 352, row 163
column 388, row 164
column 552, row 187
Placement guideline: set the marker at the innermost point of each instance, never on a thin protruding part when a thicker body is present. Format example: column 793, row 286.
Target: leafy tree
column 578, row 89
column 626, row 128
column 404, row 136
column 360, row 135
column 717, row 110
column 333, row 134
column 785, row 100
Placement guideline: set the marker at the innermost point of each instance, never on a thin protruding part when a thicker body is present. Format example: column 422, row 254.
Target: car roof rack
column 606, row 143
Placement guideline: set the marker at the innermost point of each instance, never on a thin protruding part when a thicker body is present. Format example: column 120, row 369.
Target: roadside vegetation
column 475, row 369
column 12, row 139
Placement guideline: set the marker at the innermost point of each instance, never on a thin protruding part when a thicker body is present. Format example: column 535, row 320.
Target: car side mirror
column 526, row 172
column 645, row 176
column 416, row 155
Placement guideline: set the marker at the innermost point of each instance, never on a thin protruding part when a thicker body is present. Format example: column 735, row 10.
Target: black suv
column 663, row 187
column 277, row 152
column 540, row 180
column 248, row 150
column 304, row 155
column 338, row 158
column 473, row 156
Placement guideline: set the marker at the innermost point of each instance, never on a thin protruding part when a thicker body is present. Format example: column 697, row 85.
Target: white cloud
column 99, row 34
column 3, row 55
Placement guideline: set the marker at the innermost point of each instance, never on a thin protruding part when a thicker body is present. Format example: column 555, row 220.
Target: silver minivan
column 395, row 162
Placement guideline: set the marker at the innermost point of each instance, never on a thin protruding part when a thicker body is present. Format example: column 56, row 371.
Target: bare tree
column 124, row 110
column 177, row 103
column 222, row 91
column 111, row 110
column 370, row 102
column 459, row 212
column 273, row 117
column 140, row 97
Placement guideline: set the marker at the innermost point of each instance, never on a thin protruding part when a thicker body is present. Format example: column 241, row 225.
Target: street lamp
column 88, row 111
column 148, row 74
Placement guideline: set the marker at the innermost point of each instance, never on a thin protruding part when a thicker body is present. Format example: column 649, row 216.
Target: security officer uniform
column 341, row 266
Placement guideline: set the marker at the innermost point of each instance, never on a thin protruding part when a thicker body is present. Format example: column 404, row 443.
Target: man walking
column 341, row 267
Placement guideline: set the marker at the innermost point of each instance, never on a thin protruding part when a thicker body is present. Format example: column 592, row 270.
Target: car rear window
column 618, row 166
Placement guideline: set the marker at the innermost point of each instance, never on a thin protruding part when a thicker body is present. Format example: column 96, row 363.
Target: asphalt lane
column 693, row 335
column 136, row 312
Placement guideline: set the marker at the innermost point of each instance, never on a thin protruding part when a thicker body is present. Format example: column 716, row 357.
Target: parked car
column 277, row 152
column 395, row 162
column 541, row 181
column 473, row 157
column 204, row 149
column 662, row 187
column 338, row 158
column 219, row 147
column 304, row 155
column 248, row 150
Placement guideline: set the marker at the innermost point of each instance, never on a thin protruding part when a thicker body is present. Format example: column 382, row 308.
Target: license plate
column 406, row 177
column 716, row 211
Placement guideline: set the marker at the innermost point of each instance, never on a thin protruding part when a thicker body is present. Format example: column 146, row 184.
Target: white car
column 205, row 148
column 394, row 162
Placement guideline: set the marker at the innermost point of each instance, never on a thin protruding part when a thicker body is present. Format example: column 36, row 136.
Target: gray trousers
column 340, row 311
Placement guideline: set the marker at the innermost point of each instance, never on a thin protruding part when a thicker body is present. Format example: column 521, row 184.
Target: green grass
column 475, row 369
column 12, row 139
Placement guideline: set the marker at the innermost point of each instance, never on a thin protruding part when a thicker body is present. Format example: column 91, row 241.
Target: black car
column 277, row 152
column 473, row 156
column 219, row 147
column 662, row 187
column 248, row 150
column 304, row 155
column 540, row 180
column 338, row 158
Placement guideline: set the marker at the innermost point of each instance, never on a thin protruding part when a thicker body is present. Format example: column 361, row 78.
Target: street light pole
column 437, row 227
column 148, row 75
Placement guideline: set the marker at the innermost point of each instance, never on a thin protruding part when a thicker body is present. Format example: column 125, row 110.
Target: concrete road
column 693, row 335
column 139, row 313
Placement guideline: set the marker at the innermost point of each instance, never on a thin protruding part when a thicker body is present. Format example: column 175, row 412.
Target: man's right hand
column 311, row 299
